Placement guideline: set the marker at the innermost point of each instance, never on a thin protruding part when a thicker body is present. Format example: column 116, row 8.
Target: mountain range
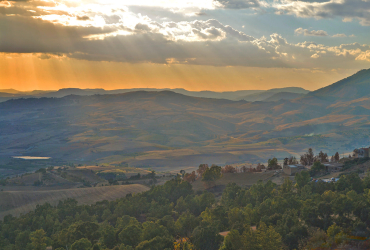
column 248, row 95
column 166, row 130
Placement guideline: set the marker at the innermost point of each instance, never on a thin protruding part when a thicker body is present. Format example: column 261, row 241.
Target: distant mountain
column 72, row 91
column 265, row 95
column 230, row 95
column 283, row 96
column 5, row 94
column 350, row 88
column 248, row 95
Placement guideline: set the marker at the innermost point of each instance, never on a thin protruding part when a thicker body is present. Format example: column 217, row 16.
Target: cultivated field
column 20, row 202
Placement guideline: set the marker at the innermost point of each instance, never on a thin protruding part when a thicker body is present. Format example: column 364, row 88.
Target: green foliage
column 82, row 244
column 157, row 243
column 206, row 237
column 302, row 179
column 233, row 241
column 109, row 236
column 317, row 167
column 38, row 239
column 41, row 170
column 273, row 164
column 286, row 217
column 211, row 174
column 131, row 235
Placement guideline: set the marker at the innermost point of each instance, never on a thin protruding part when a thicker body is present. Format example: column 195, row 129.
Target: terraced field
column 21, row 202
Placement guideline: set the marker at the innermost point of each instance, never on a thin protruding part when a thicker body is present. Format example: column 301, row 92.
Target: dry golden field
column 21, row 202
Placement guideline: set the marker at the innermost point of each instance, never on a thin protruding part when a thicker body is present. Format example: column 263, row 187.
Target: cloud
column 306, row 32
column 237, row 4
column 83, row 18
column 345, row 9
column 120, row 35
column 340, row 35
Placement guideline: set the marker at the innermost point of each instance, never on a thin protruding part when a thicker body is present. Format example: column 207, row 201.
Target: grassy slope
column 20, row 202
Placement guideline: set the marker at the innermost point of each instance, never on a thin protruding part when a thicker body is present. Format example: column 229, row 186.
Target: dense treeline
column 304, row 215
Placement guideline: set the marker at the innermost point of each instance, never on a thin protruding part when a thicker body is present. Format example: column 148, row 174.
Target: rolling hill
column 8, row 94
column 266, row 95
column 351, row 88
column 167, row 130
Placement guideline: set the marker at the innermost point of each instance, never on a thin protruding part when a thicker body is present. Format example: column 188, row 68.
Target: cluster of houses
column 296, row 168
column 329, row 166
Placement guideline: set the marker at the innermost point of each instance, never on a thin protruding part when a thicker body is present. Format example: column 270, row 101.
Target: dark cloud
column 83, row 18
column 142, row 27
column 346, row 9
column 25, row 35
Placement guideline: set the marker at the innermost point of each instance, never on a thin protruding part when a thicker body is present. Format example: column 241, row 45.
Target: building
column 361, row 153
column 293, row 169
column 333, row 167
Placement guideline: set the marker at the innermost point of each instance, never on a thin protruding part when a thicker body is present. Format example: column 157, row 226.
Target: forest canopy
column 304, row 215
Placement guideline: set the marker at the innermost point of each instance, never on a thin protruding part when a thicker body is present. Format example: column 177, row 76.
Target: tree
column 302, row 179
column 38, row 239
column 185, row 224
column 292, row 161
column 88, row 230
column 202, row 168
column 22, row 239
column 317, row 167
column 206, row 237
column 109, row 236
column 232, row 241
column 130, row 236
column 124, row 247
column 190, row 177
column 95, row 247
column 273, row 164
column 308, row 158
column 336, row 157
column 157, row 243
column 228, row 169
column 183, row 244
column 81, row 244
column 286, row 161
column 323, row 157
column 212, row 174
column 152, row 230
column 268, row 238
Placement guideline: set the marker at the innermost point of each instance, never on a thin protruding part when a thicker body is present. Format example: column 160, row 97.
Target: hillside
column 8, row 94
column 350, row 88
column 266, row 95
column 283, row 96
column 21, row 202
column 168, row 131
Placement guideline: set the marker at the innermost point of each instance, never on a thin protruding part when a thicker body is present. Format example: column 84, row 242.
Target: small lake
column 31, row 158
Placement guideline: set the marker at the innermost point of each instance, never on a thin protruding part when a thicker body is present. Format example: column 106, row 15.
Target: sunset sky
column 219, row 45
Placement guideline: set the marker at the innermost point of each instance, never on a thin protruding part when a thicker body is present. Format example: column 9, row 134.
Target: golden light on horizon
column 27, row 72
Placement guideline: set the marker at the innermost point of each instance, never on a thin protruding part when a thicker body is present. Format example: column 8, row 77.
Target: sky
column 219, row 45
